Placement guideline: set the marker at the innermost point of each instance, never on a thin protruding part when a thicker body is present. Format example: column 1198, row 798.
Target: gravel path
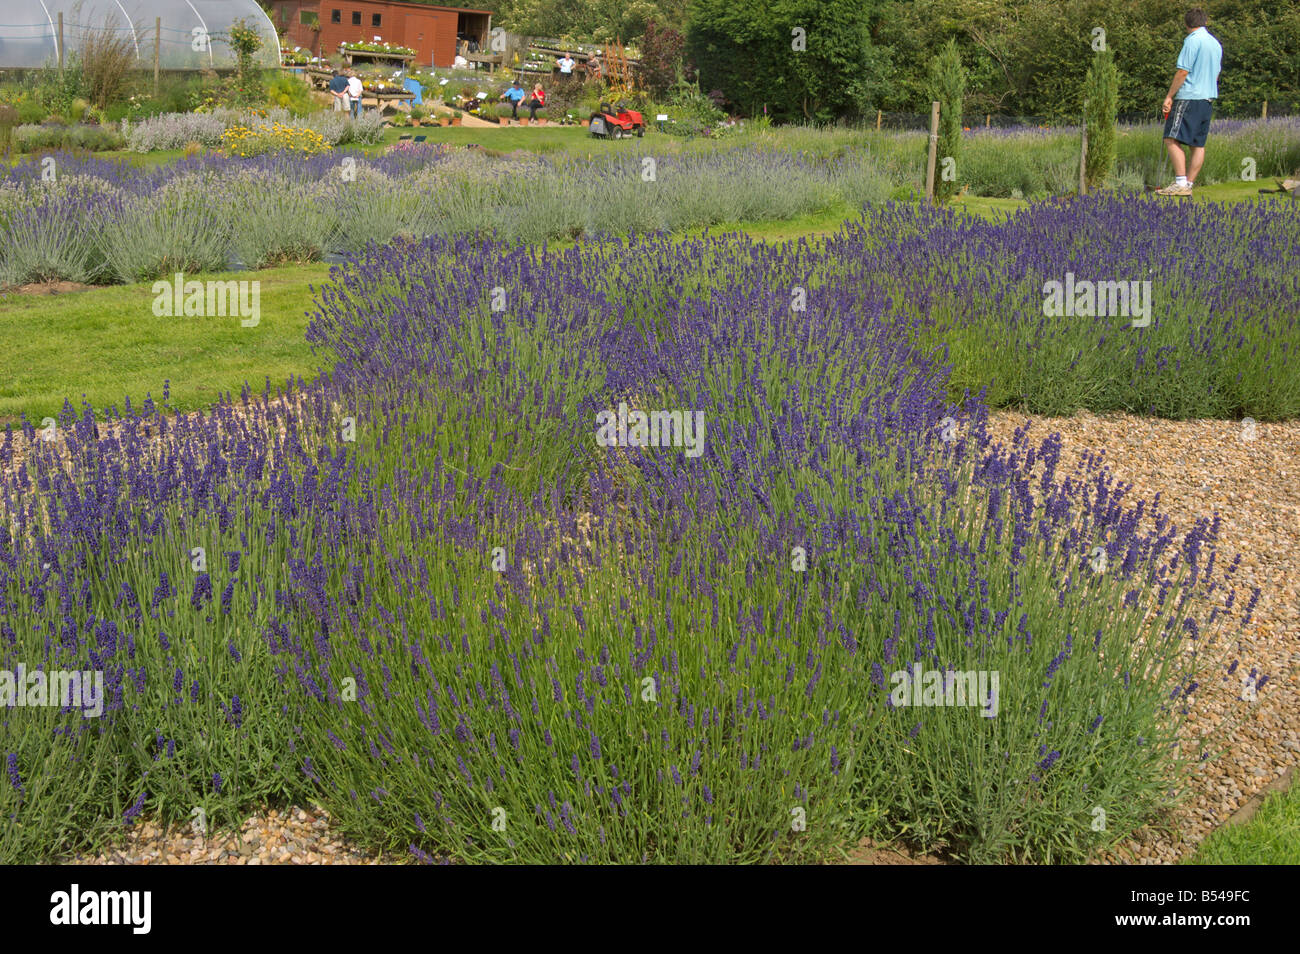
column 294, row 836
column 1250, row 475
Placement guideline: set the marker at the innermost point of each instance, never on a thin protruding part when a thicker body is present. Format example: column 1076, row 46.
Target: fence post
column 157, row 47
column 1263, row 113
column 987, row 119
column 1083, row 161
column 878, row 115
column 934, row 148
column 60, row 44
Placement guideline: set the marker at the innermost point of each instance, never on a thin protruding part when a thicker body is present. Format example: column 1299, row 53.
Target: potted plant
column 456, row 114
column 444, row 120
column 417, row 114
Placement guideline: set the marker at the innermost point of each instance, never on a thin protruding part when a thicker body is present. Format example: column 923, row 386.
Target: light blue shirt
column 1200, row 56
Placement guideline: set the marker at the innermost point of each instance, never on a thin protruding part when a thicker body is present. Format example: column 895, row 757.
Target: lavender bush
column 1222, row 330
column 286, row 208
column 427, row 597
column 176, row 130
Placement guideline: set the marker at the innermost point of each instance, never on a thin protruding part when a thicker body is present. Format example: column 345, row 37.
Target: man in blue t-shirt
column 514, row 95
column 1190, row 101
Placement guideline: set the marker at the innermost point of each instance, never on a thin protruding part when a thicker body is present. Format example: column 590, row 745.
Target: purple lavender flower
column 15, row 779
column 132, row 813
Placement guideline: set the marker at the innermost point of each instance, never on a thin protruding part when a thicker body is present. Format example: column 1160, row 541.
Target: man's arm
column 1174, row 87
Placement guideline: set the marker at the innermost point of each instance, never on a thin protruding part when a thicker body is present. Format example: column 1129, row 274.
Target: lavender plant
column 421, row 591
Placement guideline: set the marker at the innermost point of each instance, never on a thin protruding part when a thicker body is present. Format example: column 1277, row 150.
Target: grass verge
column 1271, row 837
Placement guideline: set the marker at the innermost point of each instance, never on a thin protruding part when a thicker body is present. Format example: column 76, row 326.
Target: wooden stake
column 157, row 50
column 934, row 149
column 1083, row 162
column 1263, row 113
column 879, row 114
column 60, row 44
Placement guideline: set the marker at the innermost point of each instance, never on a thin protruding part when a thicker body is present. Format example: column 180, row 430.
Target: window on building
column 374, row 19
column 308, row 18
column 336, row 16
column 356, row 19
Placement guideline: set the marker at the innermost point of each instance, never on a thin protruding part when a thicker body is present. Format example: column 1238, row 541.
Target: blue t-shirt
column 1200, row 56
column 339, row 84
column 515, row 94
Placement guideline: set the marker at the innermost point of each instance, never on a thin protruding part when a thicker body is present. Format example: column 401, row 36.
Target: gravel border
column 293, row 836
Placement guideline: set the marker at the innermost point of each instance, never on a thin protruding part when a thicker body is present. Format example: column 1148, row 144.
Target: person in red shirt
column 537, row 102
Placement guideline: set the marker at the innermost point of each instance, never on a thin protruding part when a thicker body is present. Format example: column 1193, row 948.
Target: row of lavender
column 445, row 593
column 1114, row 303
column 94, row 221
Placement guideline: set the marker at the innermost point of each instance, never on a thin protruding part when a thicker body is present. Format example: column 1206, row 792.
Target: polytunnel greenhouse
column 186, row 34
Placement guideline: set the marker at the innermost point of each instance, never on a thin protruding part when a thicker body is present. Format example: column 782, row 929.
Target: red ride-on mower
column 615, row 122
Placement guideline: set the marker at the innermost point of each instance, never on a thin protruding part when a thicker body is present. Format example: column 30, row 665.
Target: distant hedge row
column 1023, row 57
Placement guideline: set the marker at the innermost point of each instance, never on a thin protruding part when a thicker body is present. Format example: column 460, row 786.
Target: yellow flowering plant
column 257, row 139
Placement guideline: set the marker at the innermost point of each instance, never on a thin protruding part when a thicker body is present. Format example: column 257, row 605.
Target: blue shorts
column 1189, row 121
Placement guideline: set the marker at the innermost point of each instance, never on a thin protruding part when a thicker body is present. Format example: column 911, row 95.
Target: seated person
column 537, row 102
column 514, row 96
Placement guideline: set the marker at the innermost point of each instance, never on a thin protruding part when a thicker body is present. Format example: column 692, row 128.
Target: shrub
column 30, row 111
column 54, row 137
column 663, row 52
column 681, row 656
column 56, row 92
column 257, row 139
column 245, row 42
column 177, row 229
column 173, row 131
column 288, row 92
column 947, row 86
column 748, row 52
column 274, row 222
column 55, row 233
column 107, row 57
column 1101, row 104
column 8, row 120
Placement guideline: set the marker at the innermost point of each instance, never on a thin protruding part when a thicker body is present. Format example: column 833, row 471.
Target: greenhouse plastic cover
column 193, row 32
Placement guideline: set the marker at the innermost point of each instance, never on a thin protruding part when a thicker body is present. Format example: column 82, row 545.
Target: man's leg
column 1176, row 157
column 1195, row 163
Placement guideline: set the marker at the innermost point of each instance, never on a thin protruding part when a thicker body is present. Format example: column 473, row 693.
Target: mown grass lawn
column 106, row 344
column 1271, row 837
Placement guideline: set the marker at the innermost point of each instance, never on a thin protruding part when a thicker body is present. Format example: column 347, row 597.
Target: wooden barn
column 435, row 33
